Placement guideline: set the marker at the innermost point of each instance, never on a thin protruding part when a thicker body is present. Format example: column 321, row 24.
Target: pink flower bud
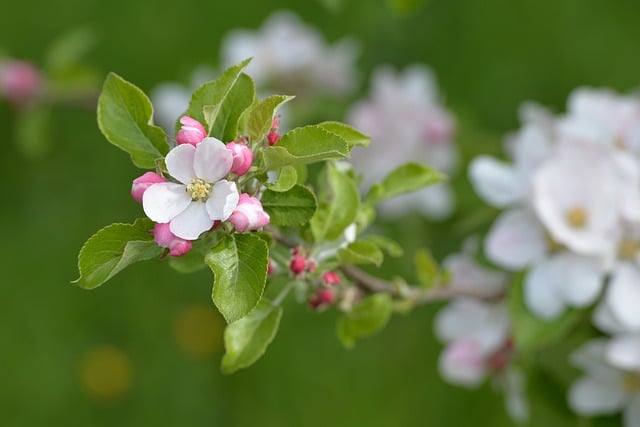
column 20, row 81
column 141, row 183
column 192, row 131
column 322, row 298
column 298, row 264
column 242, row 158
column 330, row 278
column 249, row 214
column 165, row 238
column 273, row 136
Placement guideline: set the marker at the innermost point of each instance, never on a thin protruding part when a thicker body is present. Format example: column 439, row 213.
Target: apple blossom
column 165, row 238
column 201, row 195
column 322, row 298
column 287, row 54
column 141, row 183
column 406, row 123
column 242, row 157
column 192, row 132
column 604, row 389
column 248, row 214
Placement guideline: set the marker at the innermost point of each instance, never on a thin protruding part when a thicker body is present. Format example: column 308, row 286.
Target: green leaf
column 305, row 145
column 114, row 248
column 222, row 118
column 368, row 317
column 388, row 245
column 293, row 207
column 427, row 269
column 257, row 121
column 214, row 92
column 529, row 332
column 239, row 264
column 405, row 179
column 353, row 136
column 287, row 178
column 360, row 252
column 33, row 132
column 332, row 218
column 125, row 117
column 246, row 339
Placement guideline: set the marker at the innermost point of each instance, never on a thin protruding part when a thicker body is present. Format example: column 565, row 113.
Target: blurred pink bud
column 165, row 238
column 141, row 183
column 298, row 264
column 322, row 298
column 249, row 214
column 273, row 136
column 20, row 81
column 192, row 132
column 242, row 158
column 330, row 278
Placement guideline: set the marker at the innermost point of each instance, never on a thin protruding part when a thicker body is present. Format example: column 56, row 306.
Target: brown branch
column 415, row 293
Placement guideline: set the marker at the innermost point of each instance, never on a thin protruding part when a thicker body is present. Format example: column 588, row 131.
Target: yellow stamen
column 576, row 217
column 199, row 190
column 628, row 249
column 631, row 383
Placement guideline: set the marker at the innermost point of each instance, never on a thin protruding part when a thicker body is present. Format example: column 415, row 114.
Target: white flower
column 620, row 309
column 473, row 330
column 577, row 198
column 407, row 123
column 605, row 389
column 201, row 196
column 291, row 56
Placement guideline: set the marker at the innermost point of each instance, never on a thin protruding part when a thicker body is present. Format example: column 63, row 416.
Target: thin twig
column 415, row 293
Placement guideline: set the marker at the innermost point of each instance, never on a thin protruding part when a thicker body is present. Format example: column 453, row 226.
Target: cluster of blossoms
column 202, row 193
column 292, row 57
column 477, row 333
column 571, row 222
column 406, row 123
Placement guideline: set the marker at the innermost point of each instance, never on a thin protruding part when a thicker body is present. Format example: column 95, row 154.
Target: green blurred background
column 145, row 348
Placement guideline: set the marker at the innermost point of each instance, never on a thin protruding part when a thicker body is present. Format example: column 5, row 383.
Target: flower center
column 576, row 217
column 631, row 383
column 628, row 249
column 199, row 190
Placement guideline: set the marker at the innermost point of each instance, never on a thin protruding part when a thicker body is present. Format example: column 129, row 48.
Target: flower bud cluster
column 201, row 192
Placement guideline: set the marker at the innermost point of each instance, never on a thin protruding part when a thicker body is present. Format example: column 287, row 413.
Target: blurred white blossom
column 407, row 123
column 292, row 57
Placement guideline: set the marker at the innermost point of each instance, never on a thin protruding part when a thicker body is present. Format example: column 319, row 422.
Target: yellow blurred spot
column 628, row 249
column 198, row 331
column 631, row 383
column 106, row 373
column 576, row 217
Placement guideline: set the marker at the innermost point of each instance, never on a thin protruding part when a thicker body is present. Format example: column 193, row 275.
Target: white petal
column 164, row 201
column 623, row 296
column 222, row 200
column 541, row 293
column 212, row 160
column 631, row 414
column 461, row 363
column 604, row 319
column 495, row 181
column 192, row 222
column 179, row 163
column 588, row 396
column 580, row 279
column 624, row 352
column 515, row 399
column 515, row 240
column 458, row 319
